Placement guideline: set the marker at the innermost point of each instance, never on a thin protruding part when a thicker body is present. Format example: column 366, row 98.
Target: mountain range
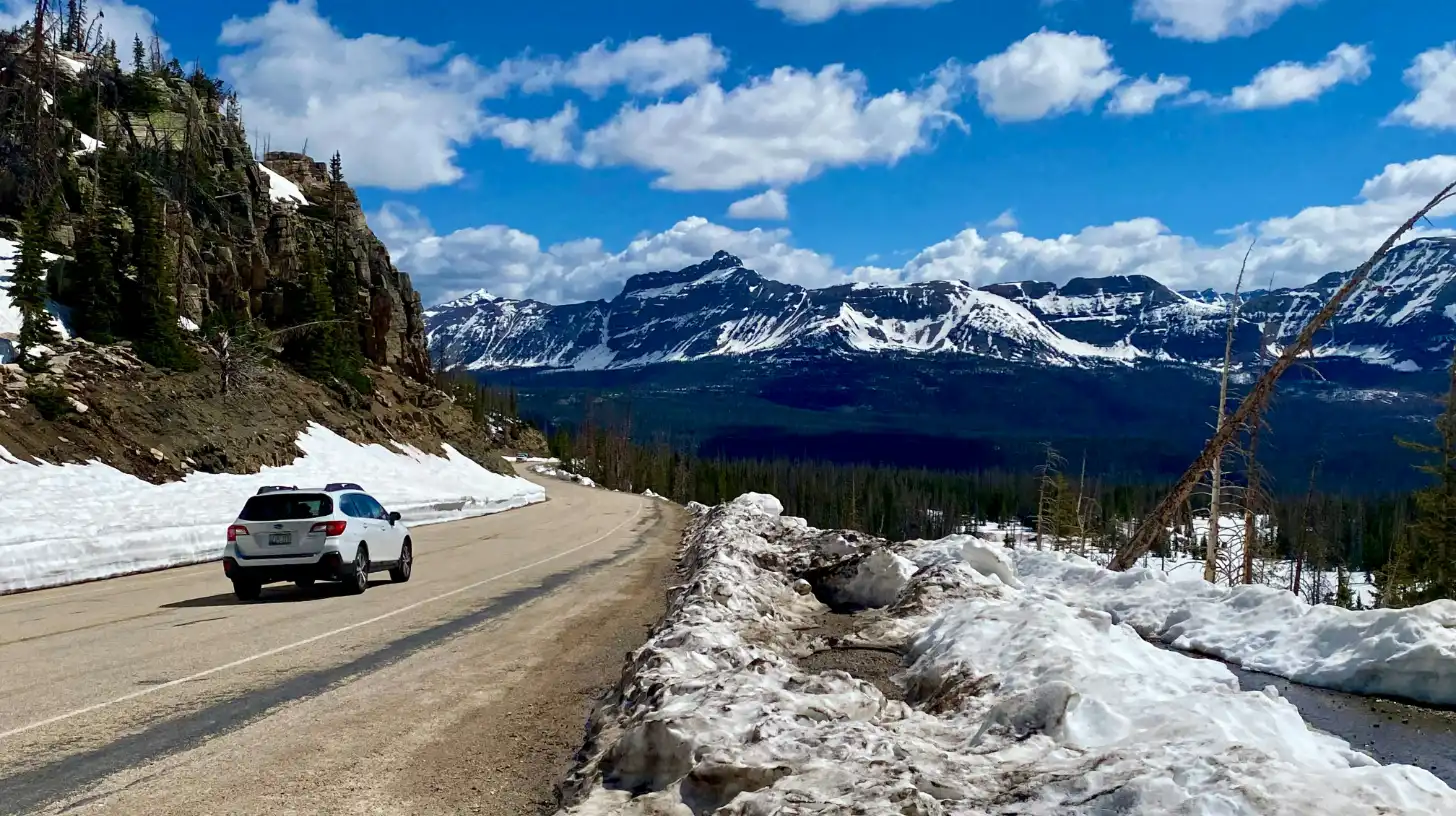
column 942, row 374
column 1402, row 320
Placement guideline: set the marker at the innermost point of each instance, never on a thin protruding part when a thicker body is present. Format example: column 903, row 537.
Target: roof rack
column 332, row 486
column 274, row 489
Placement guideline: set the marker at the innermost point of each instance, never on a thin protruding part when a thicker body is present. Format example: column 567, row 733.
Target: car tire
column 357, row 579
column 247, row 590
column 400, row 573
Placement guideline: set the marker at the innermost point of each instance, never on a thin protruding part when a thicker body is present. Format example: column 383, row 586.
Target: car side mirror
column 393, row 517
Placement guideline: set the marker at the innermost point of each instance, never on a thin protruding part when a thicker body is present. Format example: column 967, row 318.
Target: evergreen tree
column 314, row 350
column 1344, row 596
column 28, row 290
column 154, row 332
column 138, row 56
column 1432, row 556
column 96, row 289
column 73, row 38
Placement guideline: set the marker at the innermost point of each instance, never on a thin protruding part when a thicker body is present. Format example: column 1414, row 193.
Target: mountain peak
column 477, row 297
column 720, row 262
column 725, row 260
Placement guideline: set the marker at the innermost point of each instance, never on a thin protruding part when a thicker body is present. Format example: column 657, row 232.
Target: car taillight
column 236, row 530
column 330, row 528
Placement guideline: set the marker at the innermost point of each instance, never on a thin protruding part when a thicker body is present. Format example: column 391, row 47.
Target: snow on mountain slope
column 1404, row 319
column 719, row 308
column 1400, row 318
column 280, row 188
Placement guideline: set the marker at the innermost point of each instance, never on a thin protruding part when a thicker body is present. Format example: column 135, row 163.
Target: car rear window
column 284, row 506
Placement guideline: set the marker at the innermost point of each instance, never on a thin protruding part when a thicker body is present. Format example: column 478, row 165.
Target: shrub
column 50, row 400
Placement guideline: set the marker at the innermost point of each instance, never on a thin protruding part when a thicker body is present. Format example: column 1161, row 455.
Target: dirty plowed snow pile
column 1408, row 653
column 65, row 523
column 1009, row 701
column 562, row 474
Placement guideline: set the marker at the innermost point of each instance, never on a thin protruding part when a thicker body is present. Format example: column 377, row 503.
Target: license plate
column 276, row 539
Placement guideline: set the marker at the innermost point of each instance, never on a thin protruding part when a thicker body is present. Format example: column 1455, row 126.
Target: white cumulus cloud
column 1433, row 76
column 817, row 11
column 1046, row 74
column 511, row 263
column 769, row 205
column 1289, row 82
column 1210, row 20
column 648, row 66
column 398, row 110
column 1297, row 248
column 1142, row 95
column 776, row 130
column 549, row 140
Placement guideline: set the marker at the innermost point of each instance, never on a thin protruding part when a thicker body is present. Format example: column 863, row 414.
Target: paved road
column 465, row 690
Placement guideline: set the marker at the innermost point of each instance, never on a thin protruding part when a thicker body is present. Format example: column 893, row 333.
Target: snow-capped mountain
column 1404, row 318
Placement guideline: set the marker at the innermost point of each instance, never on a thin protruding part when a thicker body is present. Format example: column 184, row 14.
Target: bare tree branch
column 1254, row 403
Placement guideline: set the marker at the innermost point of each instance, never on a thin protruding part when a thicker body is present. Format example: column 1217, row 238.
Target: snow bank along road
column 802, row 670
column 464, row 690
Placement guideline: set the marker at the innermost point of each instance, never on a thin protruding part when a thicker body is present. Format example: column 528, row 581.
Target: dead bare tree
column 243, row 350
column 1046, row 489
column 1215, row 503
column 1254, row 403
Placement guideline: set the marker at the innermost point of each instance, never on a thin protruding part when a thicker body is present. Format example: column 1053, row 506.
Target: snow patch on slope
column 10, row 319
column 65, row 523
column 280, row 188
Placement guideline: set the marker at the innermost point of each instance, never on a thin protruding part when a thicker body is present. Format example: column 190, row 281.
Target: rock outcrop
column 240, row 227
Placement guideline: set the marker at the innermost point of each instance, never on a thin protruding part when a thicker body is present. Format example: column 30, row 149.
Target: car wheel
column 247, row 590
column 358, row 579
column 401, row 571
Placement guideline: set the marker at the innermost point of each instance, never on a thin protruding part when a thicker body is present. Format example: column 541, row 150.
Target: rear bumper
column 329, row 566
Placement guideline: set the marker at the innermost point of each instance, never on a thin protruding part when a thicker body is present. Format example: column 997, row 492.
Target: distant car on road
column 337, row 533
column 523, row 457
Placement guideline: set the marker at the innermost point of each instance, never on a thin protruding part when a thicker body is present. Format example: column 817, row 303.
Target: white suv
column 339, row 533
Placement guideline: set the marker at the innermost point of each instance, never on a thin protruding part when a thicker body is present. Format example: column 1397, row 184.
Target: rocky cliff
column 394, row 328
column 239, row 229
column 153, row 202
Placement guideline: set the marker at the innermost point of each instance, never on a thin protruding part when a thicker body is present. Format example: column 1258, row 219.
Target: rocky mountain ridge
column 1403, row 320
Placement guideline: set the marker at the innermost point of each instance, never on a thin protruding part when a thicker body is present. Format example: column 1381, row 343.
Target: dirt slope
column 160, row 425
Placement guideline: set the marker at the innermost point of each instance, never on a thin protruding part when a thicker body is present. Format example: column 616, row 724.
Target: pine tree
column 155, row 335
column 97, row 290
column 1432, row 556
column 73, row 38
column 1344, row 596
column 28, row 290
column 314, row 350
column 138, row 56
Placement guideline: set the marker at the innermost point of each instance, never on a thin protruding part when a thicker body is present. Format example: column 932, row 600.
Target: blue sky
column 550, row 149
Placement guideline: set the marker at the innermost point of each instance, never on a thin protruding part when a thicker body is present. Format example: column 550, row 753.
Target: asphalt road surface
column 465, row 690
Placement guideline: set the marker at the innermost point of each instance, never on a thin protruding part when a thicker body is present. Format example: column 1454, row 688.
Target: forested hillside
column 168, row 292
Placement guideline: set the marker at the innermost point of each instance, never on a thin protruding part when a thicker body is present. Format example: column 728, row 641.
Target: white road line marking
column 259, row 656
